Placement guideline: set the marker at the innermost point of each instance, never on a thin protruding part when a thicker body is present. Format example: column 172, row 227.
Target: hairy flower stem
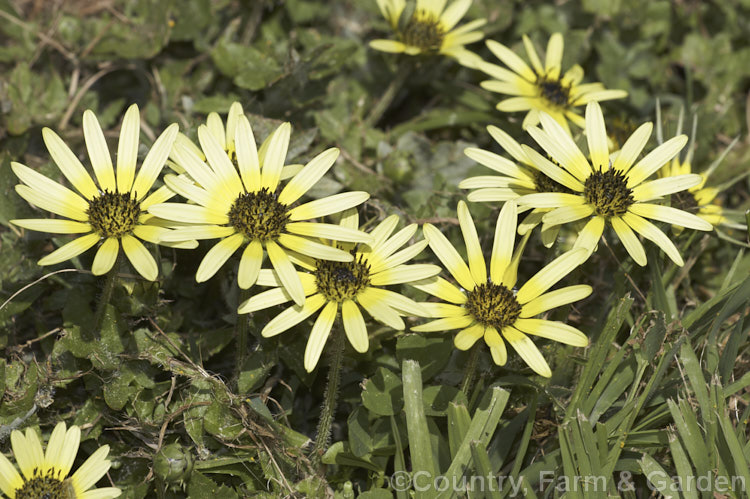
column 241, row 331
column 106, row 297
column 331, row 398
column 471, row 370
column 390, row 93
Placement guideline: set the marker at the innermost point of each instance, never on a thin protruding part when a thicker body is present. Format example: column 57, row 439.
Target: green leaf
column 422, row 459
column 382, row 394
column 437, row 399
column 432, row 352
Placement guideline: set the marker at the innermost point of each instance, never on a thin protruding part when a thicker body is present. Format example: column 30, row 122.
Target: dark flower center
column 339, row 281
column 45, row 486
column 545, row 184
column 258, row 215
column 554, row 91
column 608, row 193
column 685, row 201
column 423, row 31
column 493, row 305
column 113, row 214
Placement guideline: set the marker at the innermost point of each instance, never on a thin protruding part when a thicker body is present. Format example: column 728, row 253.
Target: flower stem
column 471, row 370
column 109, row 287
column 331, row 398
column 241, row 331
column 390, row 93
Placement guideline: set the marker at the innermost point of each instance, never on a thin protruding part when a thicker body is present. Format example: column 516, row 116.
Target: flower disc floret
column 493, row 305
column 339, row 281
column 259, row 215
column 608, row 193
column 555, row 91
column 424, row 31
column 685, row 200
column 44, row 485
column 113, row 214
column 545, row 184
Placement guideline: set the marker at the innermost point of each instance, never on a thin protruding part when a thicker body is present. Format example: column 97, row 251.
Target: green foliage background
column 664, row 385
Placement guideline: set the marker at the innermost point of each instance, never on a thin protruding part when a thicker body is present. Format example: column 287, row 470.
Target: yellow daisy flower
column 348, row 286
column 516, row 179
column 615, row 192
column 237, row 197
column 431, row 29
column 114, row 212
column 698, row 199
column 487, row 306
column 46, row 474
column 542, row 88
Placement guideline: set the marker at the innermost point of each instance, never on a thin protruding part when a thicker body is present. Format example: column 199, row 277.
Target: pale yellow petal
column 219, row 161
column 596, row 135
column 27, row 450
column 566, row 214
column 655, row 160
column 69, row 164
column 70, row 250
column 286, row 271
column 91, row 471
column 377, row 307
column 154, row 162
column 448, row 255
column 477, row 265
column 439, row 287
column 445, row 324
column 105, row 256
column 502, row 246
column 550, row 275
column 659, row 188
column 293, row 316
column 670, row 215
column 314, row 249
column 217, row 256
column 309, row 176
column 404, row 274
column 272, row 156
column 247, row 155
column 555, row 299
column 328, row 205
column 651, row 232
column 96, row 145
column 527, row 351
column 188, row 213
column 466, row 338
column 328, row 231
column 629, row 241
column 250, row 263
column 354, row 326
column 633, row 147
column 127, row 149
column 263, row 300
column 10, row 480
column 319, row 335
column 553, row 330
column 140, row 258
column 53, row 225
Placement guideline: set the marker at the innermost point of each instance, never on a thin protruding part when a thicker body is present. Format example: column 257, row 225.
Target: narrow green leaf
column 660, row 480
column 690, row 434
column 483, row 469
column 420, row 449
column 458, row 425
column 682, row 465
column 481, row 429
